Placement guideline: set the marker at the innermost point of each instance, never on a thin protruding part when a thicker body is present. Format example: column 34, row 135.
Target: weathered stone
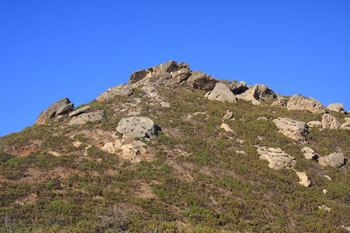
column 336, row 107
column 228, row 115
column 346, row 125
column 137, row 127
column 304, row 179
column 61, row 107
column 330, row 122
column 276, row 157
column 79, row 111
column 149, row 91
column 293, row 129
column 120, row 90
column 309, row 153
column 221, row 93
column 335, row 160
column 202, row 81
column 299, row 102
column 87, row 117
column 257, row 93
column 226, row 127
column 134, row 151
column 138, row 75
column 238, row 88
column 313, row 124
column 281, row 101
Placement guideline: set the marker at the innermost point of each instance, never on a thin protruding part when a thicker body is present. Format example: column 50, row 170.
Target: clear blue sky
column 53, row 49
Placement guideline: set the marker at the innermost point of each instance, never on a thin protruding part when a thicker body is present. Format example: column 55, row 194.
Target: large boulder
column 276, row 157
column 309, row 153
column 61, row 107
column 336, row 107
column 120, row 90
column 293, row 129
column 202, row 81
column 87, row 117
column 238, row 87
column 299, row 102
column 330, row 122
column 346, row 124
column 170, row 74
column 335, row 160
column 79, row 111
column 257, row 93
column 221, row 93
column 137, row 127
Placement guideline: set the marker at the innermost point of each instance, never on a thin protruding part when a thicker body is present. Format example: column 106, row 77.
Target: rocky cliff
column 176, row 150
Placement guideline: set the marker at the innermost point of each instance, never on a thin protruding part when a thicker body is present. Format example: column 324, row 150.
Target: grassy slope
column 197, row 182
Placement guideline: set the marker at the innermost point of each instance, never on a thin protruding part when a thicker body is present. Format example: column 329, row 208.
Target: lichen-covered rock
column 221, row 93
column 309, row 153
column 137, row 127
column 299, row 102
column 202, row 81
column 335, row 160
column 61, row 107
column 304, row 179
column 336, row 107
column 276, row 157
column 257, row 93
column 293, row 129
column 330, row 122
column 120, row 90
column 87, row 117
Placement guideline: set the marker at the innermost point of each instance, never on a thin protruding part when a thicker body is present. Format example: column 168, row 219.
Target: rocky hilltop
column 176, row 150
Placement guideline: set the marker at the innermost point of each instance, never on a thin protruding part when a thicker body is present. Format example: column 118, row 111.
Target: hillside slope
column 176, row 150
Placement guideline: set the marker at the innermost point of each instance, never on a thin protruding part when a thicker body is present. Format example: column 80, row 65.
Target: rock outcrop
column 87, row 117
column 335, row 160
column 299, row 102
column 330, row 122
column 304, row 179
column 79, row 111
column 202, row 81
column 293, row 129
column 309, row 153
column 346, row 124
column 120, row 90
column 257, row 93
column 221, row 93
column 336, row 107
column 238, row 87
column 61, row 107
column 281, row 101
column 276, row 157
column 137, row 127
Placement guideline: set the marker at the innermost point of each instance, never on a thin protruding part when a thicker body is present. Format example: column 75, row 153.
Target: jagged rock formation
column 202, row 81
column 299, row 102
column 257, row 93
column 221, row 93
column 293, row 129
column 57, row 109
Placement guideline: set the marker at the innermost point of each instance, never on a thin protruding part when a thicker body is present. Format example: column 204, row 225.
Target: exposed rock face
column 120, row 90
column 304, row 180
column 299, row 102
column 202, row 81
column 170, row 74
column 150, row 91
column 346, row 125
column 238, row 88
column 313, row 124
column 335, row 160
column 330, row 122
column 281, row 101
column 337, row 107
column 137, row 127
column 226, row 127
column 293, row 129
column 221, row 93
column 276, row 157
column 87, row 117
column 257, row 93
column 309, row 153
column 133, row 151
column 61, row 107
column 79, row 111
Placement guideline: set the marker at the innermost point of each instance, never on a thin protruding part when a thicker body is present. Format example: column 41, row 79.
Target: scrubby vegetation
column 202, row 178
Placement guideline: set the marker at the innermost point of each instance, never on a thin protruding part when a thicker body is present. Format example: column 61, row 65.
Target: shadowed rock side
column 57, row 109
